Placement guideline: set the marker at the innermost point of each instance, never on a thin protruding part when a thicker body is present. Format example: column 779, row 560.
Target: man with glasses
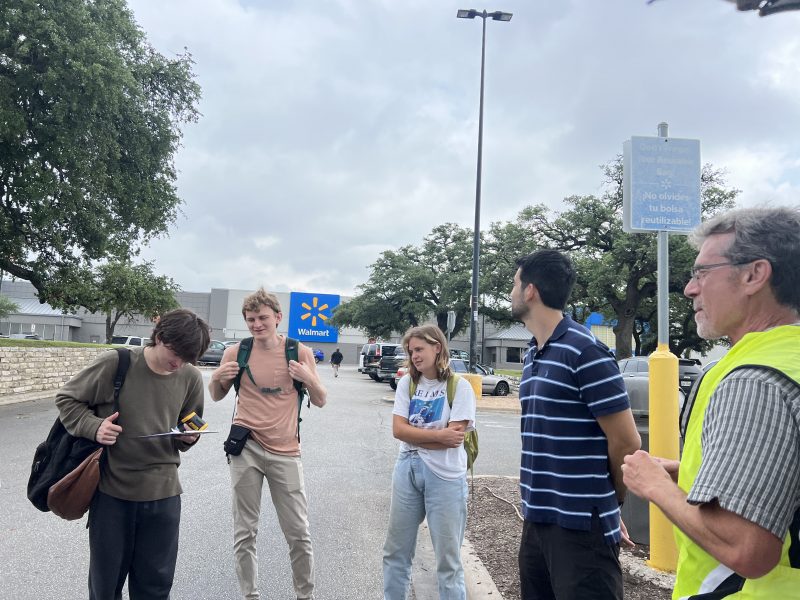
column 135, row 516
column 735, row 495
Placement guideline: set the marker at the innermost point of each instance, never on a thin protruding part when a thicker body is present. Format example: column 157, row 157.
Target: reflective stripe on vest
column 700, row 576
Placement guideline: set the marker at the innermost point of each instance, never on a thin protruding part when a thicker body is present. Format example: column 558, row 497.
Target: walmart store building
column 305, row 317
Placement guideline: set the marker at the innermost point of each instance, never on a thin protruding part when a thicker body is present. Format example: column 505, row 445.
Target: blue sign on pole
column 308, row 317
column 661, row 184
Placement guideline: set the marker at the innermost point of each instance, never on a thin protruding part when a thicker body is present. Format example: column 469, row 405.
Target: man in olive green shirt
column 135, row 515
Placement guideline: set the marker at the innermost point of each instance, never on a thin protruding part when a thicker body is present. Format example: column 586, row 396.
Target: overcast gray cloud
column 333, row 130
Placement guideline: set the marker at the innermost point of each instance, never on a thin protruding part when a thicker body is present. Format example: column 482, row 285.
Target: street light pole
column 476, row 243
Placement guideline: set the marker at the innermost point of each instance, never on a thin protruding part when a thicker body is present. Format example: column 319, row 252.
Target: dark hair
column 185, row 333
column 771, row 233
column 552, row 273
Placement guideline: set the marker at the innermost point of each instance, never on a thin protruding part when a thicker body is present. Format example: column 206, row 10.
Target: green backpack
column 470, row 437
column 292, row 353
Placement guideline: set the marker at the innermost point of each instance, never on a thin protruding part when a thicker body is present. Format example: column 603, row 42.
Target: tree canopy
column 7, row 306
column 121, row 289
column 616, row 270
column 90, row 119
column 409, row 285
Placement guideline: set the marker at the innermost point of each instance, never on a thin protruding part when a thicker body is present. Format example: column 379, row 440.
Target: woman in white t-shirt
column 430, row 476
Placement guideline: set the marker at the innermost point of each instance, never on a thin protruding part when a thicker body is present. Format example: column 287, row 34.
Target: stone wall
column 32, row 373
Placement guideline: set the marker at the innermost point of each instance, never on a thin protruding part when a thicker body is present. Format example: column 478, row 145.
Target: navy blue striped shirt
column 564, row 472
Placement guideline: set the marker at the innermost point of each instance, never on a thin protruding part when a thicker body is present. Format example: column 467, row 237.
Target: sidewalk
column 477, row 579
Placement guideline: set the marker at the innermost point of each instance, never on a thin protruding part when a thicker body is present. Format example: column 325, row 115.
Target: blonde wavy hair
column 260, row 298
column 432, row 335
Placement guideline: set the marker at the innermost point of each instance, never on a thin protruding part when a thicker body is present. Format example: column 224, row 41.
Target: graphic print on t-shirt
column 421, row 413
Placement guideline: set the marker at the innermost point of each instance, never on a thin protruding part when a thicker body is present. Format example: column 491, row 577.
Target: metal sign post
column 661, row 193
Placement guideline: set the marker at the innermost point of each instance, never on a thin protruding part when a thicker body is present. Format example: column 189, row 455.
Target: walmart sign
column 308, row 317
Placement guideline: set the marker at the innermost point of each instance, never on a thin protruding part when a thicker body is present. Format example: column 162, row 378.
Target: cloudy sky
column 332, row 130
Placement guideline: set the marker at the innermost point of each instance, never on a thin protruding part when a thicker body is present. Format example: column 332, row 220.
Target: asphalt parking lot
column 348, row 456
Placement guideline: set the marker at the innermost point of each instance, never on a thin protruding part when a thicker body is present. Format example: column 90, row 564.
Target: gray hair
column 771, row 233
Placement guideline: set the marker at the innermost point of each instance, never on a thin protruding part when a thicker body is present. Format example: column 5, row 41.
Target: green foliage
column 89, row 124
column 616, row 271
column 408, row 285
column 7, row 307
column 121, row 289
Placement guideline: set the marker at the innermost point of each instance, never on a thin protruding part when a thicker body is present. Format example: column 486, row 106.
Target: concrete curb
column 479, row 583
column 477, row 580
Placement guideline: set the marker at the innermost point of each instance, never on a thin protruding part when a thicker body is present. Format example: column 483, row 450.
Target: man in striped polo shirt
column 576, row 428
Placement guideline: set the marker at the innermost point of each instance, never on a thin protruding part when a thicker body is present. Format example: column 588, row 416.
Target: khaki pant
column 284, row 475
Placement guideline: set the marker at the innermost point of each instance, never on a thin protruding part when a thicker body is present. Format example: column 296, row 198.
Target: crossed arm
column 451, row 436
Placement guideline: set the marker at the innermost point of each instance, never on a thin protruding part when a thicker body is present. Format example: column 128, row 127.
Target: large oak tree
column 90, row 118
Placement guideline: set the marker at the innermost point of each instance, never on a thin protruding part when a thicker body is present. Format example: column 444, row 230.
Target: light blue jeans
column 417, row 492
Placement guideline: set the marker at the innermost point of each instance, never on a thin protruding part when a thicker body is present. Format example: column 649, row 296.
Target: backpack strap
column 123, row 362
column 242, row 358
column 452, row 384
column 124, row 355
column 293, row 353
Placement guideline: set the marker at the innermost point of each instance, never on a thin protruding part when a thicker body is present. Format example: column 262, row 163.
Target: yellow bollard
column 475, row 381
column 663, row 392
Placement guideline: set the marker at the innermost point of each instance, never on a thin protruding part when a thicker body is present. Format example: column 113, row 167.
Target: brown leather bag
column 70, row 496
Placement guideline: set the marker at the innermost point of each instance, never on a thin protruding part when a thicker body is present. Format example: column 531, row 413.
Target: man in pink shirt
column 267, row 405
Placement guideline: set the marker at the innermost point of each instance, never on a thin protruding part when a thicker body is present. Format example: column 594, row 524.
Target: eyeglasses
column 698, row 271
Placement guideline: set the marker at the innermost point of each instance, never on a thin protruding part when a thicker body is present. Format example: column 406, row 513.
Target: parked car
column 401, row 371
column 319, row 355
column 462, row 354
column 494, row 385
column 129, row 340
column 230, row 343
column 374, row 353
column 636, row 375
column 213, row 355
column 361, row 356
column 387, row 368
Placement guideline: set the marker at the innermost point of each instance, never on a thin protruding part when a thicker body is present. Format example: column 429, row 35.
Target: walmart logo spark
column 314, row 311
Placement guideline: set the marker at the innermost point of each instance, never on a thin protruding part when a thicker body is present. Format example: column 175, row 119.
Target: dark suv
column 373, row 353
column 389, row 364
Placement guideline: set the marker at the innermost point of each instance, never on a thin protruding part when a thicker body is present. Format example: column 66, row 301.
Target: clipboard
column 174, row 433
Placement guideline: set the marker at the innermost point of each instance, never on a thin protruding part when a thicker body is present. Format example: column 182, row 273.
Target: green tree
column 617, row 270
column 121, row 289
column 408, row 285
column 7, row 306
column 90, row 119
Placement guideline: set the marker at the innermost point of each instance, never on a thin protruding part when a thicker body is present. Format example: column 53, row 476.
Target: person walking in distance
column 734, row 497
column 336, row 360
column 135, row 515
column 576, row 428
column 430, row 475
column 267, row 405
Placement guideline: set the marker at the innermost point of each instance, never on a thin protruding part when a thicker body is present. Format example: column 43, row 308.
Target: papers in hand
column 175, row 431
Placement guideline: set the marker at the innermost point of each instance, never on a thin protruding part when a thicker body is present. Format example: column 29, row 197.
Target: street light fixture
column 476, row 244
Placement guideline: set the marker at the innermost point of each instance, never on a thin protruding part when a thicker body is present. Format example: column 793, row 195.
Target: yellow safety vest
column 698, row 572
